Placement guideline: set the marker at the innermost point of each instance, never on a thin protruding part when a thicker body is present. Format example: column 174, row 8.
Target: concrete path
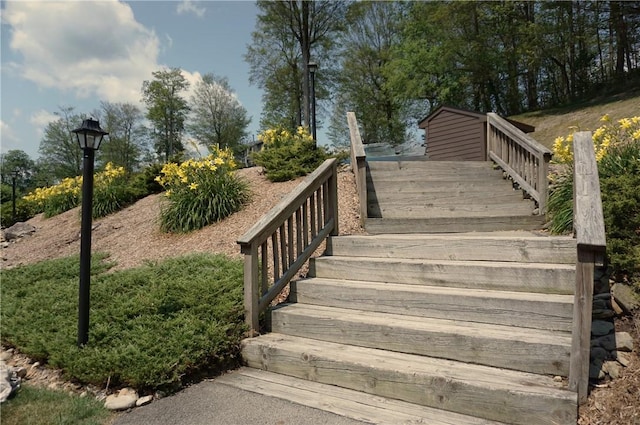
column 212, row 403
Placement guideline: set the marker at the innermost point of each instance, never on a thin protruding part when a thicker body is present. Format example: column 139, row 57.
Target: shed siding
column 453, row 136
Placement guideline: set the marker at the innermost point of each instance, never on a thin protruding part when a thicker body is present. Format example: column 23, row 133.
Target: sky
column 78, row 53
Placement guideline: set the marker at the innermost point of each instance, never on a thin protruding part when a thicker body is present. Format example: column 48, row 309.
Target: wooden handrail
column 524, row 159
column 588, row 223
column 358, row 164
column 296, row 227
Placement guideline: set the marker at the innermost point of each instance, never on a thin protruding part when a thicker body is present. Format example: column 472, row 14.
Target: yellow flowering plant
column 610, row 134
column 66, row 195
column 287, row 155
column 201, row 191
column 617, row 149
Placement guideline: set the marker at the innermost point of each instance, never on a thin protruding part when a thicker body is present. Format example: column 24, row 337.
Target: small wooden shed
column 453, row 134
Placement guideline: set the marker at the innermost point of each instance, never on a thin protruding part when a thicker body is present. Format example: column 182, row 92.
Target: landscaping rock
column 625, row 296
column 125, row 399
column 624, row 342
column 599, row 355
column 612, row 369
column 18, row 230
column 623, row 359
column 9, row 382
column 604, row 313
column 144, row 400
column 601, row 327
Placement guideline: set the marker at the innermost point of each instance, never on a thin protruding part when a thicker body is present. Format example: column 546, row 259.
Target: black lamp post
column 14, row 176
column 89, row 137
column 313, row 67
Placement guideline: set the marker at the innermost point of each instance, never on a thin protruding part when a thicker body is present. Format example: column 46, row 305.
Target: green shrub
column 285, row 156
column 153, row 327
column 201, row 192
column 24, row 212
column 146, row 183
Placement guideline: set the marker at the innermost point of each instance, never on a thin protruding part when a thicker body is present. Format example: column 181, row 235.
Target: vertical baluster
column 298, row 232
column 292, row 254
column 319, row 203
column 283, row 249
column 265, row 267
column 276, row 260
column 312, row 211
column 305, row 224
column 325, row 198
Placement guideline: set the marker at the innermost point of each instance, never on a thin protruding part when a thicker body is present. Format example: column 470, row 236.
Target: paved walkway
column 213, row 403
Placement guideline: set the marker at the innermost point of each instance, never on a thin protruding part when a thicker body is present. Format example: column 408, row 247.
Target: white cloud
column 189, row 6
column 6, row 133
column 40, row 119
column 90, row 48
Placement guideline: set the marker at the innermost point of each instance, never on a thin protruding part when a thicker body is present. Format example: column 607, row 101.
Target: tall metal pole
column 85, row 246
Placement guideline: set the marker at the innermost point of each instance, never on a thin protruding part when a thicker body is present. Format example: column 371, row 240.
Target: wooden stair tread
column 345, row 402
column 487, row 392
column 530, row 350
column 525, row 277
column 524, row 309
column 376, row 225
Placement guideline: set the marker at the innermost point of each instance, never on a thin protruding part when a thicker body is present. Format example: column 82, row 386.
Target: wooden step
column 523, row 309
column 435, row 209
column 508, row 347
column 508, row 276
column 341, row 401
column 381, row 187
column 491, row 246
column 451, row 197
column 453, row 224
column 446, row 166
column 481, row 391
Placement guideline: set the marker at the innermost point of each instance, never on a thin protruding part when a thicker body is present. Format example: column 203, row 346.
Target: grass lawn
column 37, row 406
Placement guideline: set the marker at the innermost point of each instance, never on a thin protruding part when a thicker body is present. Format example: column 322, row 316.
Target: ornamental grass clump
column 201, row 192
column 287, row 155
column 617, row 149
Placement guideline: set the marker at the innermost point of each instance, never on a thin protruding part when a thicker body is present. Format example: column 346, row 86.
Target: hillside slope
column 552, row 123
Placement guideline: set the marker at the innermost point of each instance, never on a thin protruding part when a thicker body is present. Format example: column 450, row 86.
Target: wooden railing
column 358, row 164
column 525, row 160
column 588, row 223
column 280, row 243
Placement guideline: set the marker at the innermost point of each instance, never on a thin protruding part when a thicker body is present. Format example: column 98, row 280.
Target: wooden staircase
column 415, row 325
column 409, row 196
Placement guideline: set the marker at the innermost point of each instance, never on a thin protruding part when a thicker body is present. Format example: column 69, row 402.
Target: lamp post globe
column 89, row 137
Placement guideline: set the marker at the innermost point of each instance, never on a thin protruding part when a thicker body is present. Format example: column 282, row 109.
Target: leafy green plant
column 145, row 182
column 285, row 156
column 24, row 212
column 153, row 327
column 201, row 192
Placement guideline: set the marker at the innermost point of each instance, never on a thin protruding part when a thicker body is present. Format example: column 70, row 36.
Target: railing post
column 359, row 164
column 333, row 199
column 251, row 290
column 543, row 182
column 588, row 222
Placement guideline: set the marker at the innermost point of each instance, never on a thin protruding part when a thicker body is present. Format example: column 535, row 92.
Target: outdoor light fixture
column 313, row 67
column 89, row 137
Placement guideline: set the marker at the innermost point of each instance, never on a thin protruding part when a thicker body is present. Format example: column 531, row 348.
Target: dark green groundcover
column 152, row 327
